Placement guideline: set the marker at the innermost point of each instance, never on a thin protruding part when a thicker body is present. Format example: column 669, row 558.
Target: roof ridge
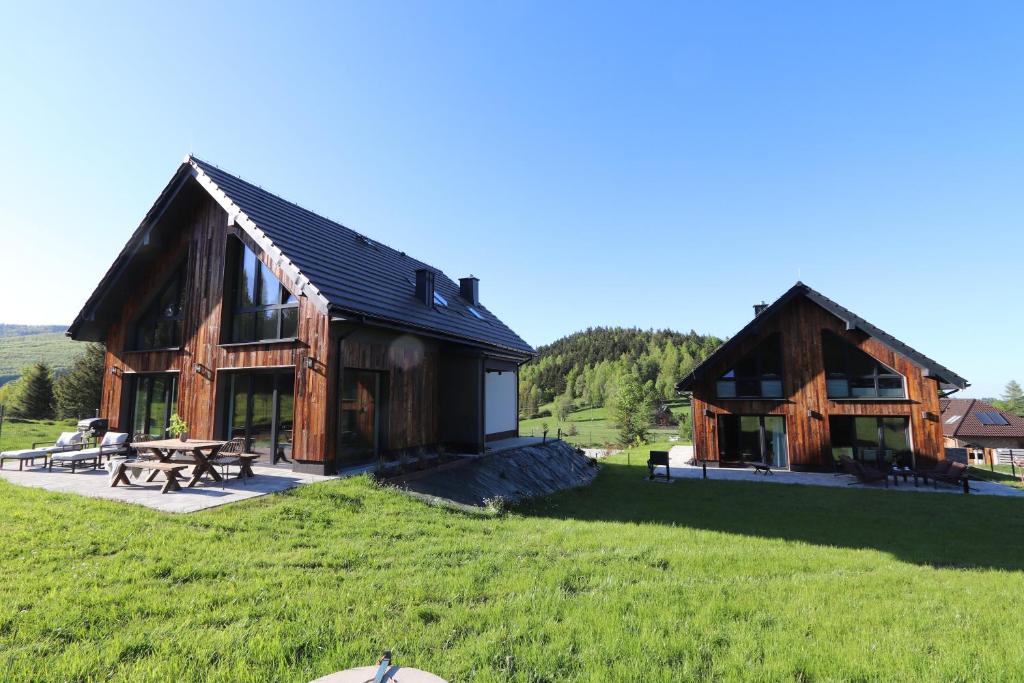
column 374, row 241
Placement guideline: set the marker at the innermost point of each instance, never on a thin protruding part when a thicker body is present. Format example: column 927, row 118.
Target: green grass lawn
column 17, row 434
column 624, row 580
column 594, row 426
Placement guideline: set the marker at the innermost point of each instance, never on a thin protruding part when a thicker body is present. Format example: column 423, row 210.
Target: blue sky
column 658, row 165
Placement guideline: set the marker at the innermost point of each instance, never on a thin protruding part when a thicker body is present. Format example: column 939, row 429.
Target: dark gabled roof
column 343, row 272
column 960, row 420
column 947, row 378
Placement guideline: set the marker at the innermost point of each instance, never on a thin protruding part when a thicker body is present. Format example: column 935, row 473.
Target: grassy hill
column 19, row 347
column 621, row 580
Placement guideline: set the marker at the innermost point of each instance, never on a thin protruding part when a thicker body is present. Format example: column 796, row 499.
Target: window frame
column 759, row 376
column 152, row 315
column 847, row 376
column 285, row 300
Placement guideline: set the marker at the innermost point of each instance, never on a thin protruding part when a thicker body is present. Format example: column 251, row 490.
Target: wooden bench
column 658, row 459
column 170, row 470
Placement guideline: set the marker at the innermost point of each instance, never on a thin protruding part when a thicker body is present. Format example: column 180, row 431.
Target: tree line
column 38, row 395
column 631, row 371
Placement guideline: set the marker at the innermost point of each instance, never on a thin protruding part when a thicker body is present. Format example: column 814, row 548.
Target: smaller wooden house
column 808, row 381
column 253, row 317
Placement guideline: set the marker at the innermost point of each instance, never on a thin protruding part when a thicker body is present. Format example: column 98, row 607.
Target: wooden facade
column 805, row 404
column 428, row 384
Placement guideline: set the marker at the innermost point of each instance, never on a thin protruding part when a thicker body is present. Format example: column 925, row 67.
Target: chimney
column 469, row 287
column 425, row 286
column 759, row 308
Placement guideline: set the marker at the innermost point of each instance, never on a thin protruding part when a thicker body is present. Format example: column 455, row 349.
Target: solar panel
column 990, row 418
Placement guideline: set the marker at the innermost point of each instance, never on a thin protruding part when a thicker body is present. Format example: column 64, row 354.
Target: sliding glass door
column 260, row 410
column 753, row 438
column 154, row 400
column 878, row 440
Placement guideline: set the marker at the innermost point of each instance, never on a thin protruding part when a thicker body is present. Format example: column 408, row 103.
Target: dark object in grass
column 955, row 475
column 658, row 459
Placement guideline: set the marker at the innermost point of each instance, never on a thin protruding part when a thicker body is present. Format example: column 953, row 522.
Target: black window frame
column 879, row 446
column 170, row 395
column 285, row 300
column 848, row 377
column 154, row 314
column 759, row 377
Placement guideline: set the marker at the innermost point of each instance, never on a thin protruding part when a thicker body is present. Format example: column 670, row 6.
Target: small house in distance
column 808, row 381
column 980, row 427
column 253, row 317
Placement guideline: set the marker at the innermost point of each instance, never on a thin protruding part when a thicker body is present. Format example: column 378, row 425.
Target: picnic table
column 198, row 453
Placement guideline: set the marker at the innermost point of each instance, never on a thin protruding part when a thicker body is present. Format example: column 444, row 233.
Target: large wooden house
column 252, row 317
column 808, row 381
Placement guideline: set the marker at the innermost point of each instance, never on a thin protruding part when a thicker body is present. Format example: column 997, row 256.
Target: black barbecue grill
column 93, row 427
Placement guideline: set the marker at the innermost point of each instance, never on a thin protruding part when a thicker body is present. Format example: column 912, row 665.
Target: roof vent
column 759, row 308
column 363, row 239
column 425, row 286
column 469, row 288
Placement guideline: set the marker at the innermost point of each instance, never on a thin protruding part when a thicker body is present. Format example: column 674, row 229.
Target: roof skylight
column 476, row 313
column 953, row 419
column 440, row 300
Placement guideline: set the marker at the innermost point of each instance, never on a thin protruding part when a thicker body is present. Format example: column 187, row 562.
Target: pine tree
column 1013, row 397
column 35, row 397
column 78, row 391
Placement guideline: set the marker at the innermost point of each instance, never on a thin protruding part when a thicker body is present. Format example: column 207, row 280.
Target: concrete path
column 680, row 455
column 96, row 484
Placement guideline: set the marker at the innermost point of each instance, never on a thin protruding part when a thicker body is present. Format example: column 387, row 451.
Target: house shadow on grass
column 938, row 530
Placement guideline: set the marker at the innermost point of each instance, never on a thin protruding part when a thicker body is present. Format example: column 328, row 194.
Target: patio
column 96, row 484
column 680, row 455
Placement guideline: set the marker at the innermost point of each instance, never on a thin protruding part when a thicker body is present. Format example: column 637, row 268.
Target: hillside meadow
column 621, row 581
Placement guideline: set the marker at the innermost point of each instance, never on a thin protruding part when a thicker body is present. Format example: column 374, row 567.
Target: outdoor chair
column 67, row 441
column 868, row 475
column 658, row 459
column 113, row 443
column 232, row 454
column 955, row 475
column 940, row 469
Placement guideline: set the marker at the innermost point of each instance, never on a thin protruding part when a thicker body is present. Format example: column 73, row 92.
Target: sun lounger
column 68, row 441
column 955, row 475
column 113, row 443
column 868, row 475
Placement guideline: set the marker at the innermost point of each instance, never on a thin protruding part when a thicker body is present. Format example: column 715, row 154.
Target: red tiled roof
column 967, row 423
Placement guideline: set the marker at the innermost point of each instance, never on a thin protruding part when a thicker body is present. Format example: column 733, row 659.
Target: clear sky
column 657, row 165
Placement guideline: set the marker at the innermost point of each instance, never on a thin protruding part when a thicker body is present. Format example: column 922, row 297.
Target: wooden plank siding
column 800, row 324
column 412, row 364
column 201, row 242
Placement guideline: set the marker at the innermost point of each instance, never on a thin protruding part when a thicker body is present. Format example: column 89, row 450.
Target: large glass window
column 878, row 440
column 262, row 309
column 757, row 375
column 753, row 438
column 851, row 373
column 155, row 399
column 160, row 325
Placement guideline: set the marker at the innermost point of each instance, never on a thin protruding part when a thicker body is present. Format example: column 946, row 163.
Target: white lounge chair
column 113, row 443
column 68, row 441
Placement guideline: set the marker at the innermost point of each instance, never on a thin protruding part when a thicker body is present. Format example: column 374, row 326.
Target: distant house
column 807, row 381
column 253, row 317
column 980, row 428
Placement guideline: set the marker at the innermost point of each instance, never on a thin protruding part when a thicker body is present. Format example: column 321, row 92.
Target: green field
column 1004, row 474
column 17, row 352
column 16, row 434
column 625, row 580
column 594, row 426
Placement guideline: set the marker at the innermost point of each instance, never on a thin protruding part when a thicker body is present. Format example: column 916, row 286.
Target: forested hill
column 586, row 365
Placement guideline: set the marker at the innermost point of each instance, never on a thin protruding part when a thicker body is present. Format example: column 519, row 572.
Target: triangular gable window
column 757, row 375
column 851, row 373
column 160, row 325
